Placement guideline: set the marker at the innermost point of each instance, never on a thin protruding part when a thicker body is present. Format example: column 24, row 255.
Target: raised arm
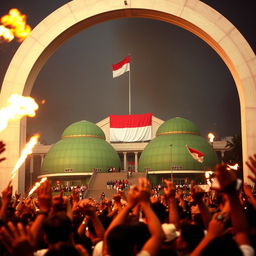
column 228, row 182
column 154, row 243
column 44, row 194
column 170, row 192
column 6, row 199
column 90, row 212
column 197, row 194
column 122, row 216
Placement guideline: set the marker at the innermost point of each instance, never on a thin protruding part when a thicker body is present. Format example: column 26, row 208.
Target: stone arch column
column 76, row 15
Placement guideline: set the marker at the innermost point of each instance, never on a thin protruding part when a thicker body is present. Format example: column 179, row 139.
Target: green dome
column 168, row 150
column 177, row 125
column 83, row 129
column 82, row 149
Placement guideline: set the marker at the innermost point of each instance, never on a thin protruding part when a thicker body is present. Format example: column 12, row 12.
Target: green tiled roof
column 168, row 150
column 81, row 149
column 83, row 128
column 177, row 125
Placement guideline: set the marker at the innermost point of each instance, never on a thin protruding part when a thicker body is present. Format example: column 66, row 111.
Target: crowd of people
column 173, row 222
column 118, row 185
column 66, row 188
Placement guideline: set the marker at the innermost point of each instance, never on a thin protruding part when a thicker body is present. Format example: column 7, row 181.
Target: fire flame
column 36, row 186
column 15, row 23
column 18, row 107
column 6, row 34
column 25, row 152
column 211, row 137
column 233, row 167
column 207, row 176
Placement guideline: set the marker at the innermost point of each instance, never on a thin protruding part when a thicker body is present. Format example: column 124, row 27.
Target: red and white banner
column 197, row 155
column 130, row 128
column 121, row 67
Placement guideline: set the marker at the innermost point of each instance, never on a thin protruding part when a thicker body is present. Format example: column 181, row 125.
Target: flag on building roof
column 196, row 154
column 130, row 128
column 121, row 67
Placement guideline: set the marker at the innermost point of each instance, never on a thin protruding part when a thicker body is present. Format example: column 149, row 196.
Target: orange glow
column 18, row 107
column 6, row 34
column 36, row 186
column 233, row 167
column 15, row 22
column 211, row 137
column 25, row 152
column 43, row 102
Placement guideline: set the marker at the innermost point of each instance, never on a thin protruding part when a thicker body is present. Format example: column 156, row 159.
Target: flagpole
column 130, row 108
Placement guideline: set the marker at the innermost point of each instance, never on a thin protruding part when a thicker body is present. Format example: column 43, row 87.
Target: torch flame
column 18, row 107
column 36, row 186
column 6, row 34
column 15, row 22
column 25, row 152
column 233, row 167
column 211, row 137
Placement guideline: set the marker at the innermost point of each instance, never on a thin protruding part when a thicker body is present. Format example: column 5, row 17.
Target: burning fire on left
column 14, row 25
column 18, row 106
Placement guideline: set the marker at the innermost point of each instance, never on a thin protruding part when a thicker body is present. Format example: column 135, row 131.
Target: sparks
column 36, row 186
column 211, row 137
column 18, row 107
column 15, row 22
column 25, row 152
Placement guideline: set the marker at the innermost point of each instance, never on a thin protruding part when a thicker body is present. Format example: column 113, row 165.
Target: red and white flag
column 130, row 128
column 121, row 67
column 197, row 155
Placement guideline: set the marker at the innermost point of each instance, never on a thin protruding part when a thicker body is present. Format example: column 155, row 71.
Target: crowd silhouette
column 145, row 221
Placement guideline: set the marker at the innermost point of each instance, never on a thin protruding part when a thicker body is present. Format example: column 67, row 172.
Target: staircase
column 98, row 183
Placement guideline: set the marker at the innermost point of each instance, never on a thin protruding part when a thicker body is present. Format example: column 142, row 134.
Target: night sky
column 173, row 72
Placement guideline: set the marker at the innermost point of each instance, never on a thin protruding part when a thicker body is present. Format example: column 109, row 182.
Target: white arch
column 76, row 15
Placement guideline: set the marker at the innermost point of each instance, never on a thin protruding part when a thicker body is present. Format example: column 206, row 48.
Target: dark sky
column 173, row 72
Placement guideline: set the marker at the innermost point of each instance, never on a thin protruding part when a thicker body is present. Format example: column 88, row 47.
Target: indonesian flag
column 197, row 155
column 130, row 128
column 121, row 67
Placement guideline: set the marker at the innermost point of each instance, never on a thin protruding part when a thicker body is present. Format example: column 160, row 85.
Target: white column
column 136, row 161
column 125, row 160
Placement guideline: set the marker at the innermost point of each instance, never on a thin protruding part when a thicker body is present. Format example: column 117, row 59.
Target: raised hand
column 144, row 190
column 251, row 163
column 75, row 195
column 7, row 194
column 216, row 226
column 226, row 178
column 169, row 189
column 44, row 194
column 133, row 196
column 86, row 207
column 57, row 203
column 17, row 240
